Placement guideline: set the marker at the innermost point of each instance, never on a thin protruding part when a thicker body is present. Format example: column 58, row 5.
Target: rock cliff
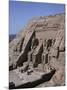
column 45, row 27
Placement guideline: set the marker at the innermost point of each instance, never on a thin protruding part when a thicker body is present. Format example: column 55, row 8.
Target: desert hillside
column 46, row 28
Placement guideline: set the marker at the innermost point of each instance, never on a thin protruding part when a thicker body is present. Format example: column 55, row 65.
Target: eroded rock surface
column 40, row 46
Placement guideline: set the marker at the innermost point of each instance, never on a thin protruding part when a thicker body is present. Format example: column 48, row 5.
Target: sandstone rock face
column 50, row 29
column 15, row 47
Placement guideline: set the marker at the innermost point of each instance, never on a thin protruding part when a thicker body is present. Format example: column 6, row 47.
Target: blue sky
column 21, row 12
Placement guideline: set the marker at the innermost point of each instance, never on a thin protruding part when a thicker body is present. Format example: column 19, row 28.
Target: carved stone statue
column 33, row 46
